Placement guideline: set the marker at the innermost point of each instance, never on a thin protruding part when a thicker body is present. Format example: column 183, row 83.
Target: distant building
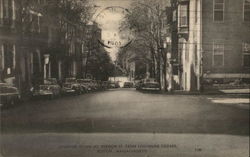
column 213, row 41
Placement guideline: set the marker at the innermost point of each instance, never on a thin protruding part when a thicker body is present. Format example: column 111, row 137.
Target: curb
column 201, row 93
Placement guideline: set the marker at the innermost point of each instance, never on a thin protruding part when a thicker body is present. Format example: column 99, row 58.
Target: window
column 5, row 8
column 72, row 49
column 196, row 11
column 183, row 15
column 196, row 55
column 218, row 10
column 246, row 10
column 246, row 54
column 13, row 10
column 14, row 56
column 218, row 54
column 1, row 9
column 1, row 57
column 8, row 54
column 174, row 16
column 35, row 23
column 186, row 50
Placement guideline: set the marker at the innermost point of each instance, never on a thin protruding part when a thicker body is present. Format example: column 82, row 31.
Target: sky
column 109, row 21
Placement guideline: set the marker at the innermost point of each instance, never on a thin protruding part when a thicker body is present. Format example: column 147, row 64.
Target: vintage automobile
column 137, row 83
column 85, row 85
column 128, row 85
column 50, row 88
column 92, row 84
column 95, row 84
column 114, row 84
column 148, row 84
column 105, row 85
column 99, row 85
column 9, row 94
column 71, row 86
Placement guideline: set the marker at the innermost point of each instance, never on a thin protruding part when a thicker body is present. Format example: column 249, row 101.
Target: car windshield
column 79, row 81
column 44, row 87
column 150, row 80
column 70, row 80
column 128, row 83
column 7, row 89
column 84, row 81
column 50, row 81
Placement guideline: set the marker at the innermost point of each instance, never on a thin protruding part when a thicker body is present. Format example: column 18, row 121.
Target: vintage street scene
column 118, row 78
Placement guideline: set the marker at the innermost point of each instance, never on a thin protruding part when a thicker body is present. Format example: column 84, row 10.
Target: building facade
column 35, row 45
column 213, row 42
column 21, row 43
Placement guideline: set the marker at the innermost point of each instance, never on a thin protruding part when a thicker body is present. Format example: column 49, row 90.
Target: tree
column 147, row 21
column 100, row 65
column 137, row 53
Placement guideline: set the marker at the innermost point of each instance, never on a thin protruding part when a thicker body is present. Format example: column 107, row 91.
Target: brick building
column 213, row 42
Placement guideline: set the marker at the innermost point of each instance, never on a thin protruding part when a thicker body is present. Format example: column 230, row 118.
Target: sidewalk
column 239, row 98
column 245, row 92
column 236, row 91
column 212, row 92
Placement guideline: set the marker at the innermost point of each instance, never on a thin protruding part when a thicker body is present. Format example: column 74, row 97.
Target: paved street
column 128, row 111
column 106, row 124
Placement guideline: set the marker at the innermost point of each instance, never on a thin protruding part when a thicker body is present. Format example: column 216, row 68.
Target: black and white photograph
column 124, row 78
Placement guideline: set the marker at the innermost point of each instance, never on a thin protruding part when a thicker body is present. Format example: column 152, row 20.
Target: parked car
column 94, row 85
column 148, row 84
column 89, row 83
column 71, row 86
column 85, row 85
column 114, row 85
column 105, row 85
column 9, row 94
column 99, row 84
column 128, row 85
column 137, row 83
column 50, row 88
